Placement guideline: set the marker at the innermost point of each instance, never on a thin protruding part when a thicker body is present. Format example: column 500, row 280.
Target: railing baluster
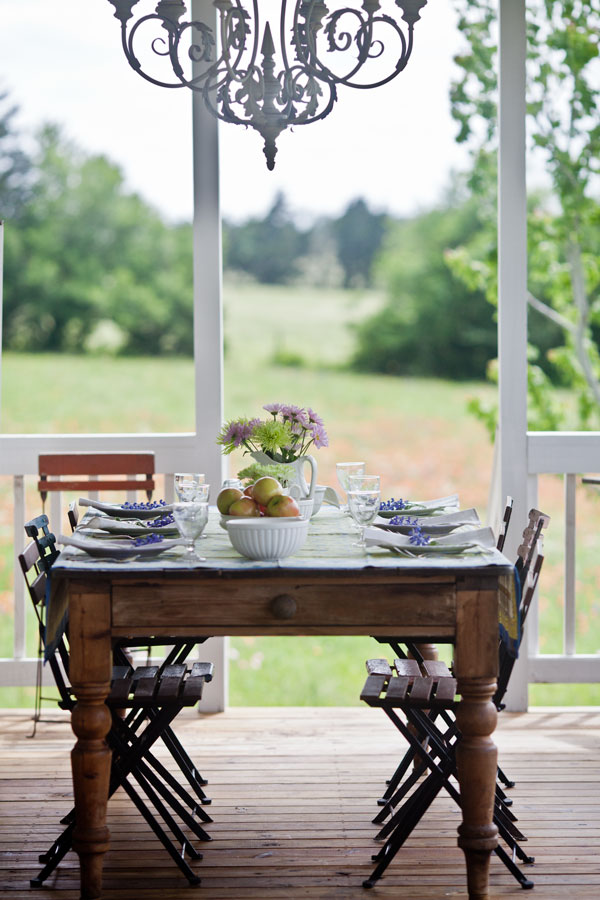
column 570, row 570
column 19, row 627
column 56, row 512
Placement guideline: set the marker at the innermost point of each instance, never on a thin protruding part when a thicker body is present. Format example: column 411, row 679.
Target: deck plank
column 293, row 794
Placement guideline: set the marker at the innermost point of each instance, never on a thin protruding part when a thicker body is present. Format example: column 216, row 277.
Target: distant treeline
column 91, row 267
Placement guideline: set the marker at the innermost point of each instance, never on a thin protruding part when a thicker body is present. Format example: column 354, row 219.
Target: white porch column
column 208, row 325
column 1, row 301
column 512, row 289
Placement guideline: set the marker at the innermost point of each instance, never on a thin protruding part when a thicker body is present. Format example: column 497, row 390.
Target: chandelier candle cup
column 364, row 506
column 191, row 517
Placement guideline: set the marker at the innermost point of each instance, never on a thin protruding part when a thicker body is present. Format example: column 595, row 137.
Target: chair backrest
column 508, row 508
column 529, row 565
column 35, row 568
column 531, row 535
column 39, row 530
column 73, row 515
column 74, row 471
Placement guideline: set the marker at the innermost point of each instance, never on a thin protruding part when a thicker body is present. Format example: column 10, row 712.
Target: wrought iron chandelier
column 241, row 76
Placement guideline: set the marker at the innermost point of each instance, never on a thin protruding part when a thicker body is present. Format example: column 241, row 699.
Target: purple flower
column 404, row 520
column 319, row 436
column 417, row 537
column 273, row 408
column 313, row 417
column 289, row 411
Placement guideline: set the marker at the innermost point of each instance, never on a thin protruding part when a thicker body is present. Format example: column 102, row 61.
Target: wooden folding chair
column 424, row 692
column 153, row 697
column 96, row 472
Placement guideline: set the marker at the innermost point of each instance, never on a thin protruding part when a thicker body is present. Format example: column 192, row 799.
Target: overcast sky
column 62, row 61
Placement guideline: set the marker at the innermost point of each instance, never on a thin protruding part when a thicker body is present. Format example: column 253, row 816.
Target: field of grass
column 414, row 432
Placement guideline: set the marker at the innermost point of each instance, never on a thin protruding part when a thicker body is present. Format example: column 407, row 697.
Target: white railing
column 569, row 454
column 19, row 459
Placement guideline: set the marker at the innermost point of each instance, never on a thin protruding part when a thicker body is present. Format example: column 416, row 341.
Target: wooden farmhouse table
column 330, row 587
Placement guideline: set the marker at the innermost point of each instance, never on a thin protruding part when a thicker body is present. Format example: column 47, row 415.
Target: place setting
column 135, row 531
column 409, row 528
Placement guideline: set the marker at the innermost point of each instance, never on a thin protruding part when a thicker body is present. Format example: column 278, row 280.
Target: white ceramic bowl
column 268, row 537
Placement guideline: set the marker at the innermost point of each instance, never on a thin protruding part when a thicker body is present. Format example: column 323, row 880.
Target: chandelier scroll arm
column 235, row 66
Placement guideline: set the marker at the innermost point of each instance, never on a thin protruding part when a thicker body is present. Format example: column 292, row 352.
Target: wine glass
column 190, row 517
column 364, row 506
column 364, row 482
column 191, row 486
column 344, row 470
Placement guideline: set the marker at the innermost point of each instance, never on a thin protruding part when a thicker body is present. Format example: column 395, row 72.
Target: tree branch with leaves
column 563, row 119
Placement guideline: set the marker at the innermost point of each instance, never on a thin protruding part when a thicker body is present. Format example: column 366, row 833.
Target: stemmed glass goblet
column 190, row 517
column 363, row 502
column 344, row 471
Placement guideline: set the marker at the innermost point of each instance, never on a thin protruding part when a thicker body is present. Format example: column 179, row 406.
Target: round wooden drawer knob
column 283, row 606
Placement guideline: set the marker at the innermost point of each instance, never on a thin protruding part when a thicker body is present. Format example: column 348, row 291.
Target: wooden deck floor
column 293, row 794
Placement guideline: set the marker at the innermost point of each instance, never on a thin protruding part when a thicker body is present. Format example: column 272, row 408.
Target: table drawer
column 228, row 606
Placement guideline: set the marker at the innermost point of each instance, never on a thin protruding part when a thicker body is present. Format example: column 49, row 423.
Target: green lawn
column 414, row 432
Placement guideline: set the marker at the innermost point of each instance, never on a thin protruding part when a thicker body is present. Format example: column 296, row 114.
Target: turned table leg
column 476, row 666
column 90, row 672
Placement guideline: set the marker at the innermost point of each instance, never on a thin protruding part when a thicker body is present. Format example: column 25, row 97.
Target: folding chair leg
column 150, row 778
column 169, row 779
column 161, row 834
column 514, row 870
column 504, row 779
column 179, row 754
column 417, row 804
column 402, row 791
column 53, row 856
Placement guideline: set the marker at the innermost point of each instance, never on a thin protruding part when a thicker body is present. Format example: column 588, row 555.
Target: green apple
column 226, row 497
column 265, row 488
column 282, row 505
column 245, row 507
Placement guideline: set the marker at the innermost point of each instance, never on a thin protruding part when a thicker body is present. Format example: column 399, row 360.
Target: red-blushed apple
column 226, row 497
column 249, row 491
column 282, row 505
column 265, row 488
column 244, row 507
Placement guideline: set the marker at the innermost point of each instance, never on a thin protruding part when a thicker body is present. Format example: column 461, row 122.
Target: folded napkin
column 423, row 507
column 132, row 527
column 118, row 511
column 479, row 537
column 456, row 519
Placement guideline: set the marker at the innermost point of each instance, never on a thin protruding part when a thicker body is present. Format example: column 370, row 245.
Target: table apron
column 285, row 606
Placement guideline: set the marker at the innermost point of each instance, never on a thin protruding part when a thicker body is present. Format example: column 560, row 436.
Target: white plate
column 115, row 549
column 118, row 512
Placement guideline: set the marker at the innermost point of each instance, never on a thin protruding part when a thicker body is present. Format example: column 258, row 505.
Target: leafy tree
column 14, row 164
column 86, row 255
column 431, row 324
column 267, row 249
column 359, row 235
column 564, row 237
